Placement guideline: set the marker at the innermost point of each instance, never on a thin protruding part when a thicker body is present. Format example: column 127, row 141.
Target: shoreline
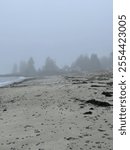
column 12, row 83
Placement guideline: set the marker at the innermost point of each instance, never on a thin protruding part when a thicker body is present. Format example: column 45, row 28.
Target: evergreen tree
column 50, row 66
column 27, row 68
column 95, row 64
column 81, row 63
column 30, row 67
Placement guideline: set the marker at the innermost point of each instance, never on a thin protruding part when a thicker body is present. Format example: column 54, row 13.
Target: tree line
column 83, row 63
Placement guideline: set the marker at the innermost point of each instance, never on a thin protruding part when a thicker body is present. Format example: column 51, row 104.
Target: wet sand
column 58, row 113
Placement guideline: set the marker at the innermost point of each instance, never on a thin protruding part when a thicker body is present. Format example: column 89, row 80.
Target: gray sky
column 61, row 29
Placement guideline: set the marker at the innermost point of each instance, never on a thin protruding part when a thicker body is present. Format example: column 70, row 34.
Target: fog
column 60, row 29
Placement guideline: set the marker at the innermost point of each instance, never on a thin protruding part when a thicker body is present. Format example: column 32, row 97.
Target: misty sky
column 61, row 29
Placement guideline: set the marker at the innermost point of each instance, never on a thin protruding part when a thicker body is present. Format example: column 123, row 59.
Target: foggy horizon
column 62, row 30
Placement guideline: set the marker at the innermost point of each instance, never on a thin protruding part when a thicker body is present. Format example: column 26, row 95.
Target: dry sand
column 56, row 113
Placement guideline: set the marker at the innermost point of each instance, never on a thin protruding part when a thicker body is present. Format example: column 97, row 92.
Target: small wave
column 8, row 81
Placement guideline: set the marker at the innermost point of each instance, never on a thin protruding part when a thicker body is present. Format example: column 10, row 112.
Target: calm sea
column 9, row 80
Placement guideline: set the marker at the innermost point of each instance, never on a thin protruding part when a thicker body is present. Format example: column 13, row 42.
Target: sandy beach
column 58, row 113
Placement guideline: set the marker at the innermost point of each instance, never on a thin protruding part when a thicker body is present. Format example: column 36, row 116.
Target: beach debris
column 94, row 85
column 70, row 138
column 87, row 113
column 79, row 81
column 110, row 83
column 91, row 108
column 93, row 102
column 5, row 109
column 98, row 103
column 107, row 94
column 38, row 95
column 101, row 130
column 81, row 105
column 28, row 126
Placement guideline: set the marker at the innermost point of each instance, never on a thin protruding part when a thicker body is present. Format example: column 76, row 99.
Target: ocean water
column 4, row 81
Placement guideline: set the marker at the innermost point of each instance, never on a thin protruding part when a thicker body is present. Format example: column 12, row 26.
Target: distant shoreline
column 11, row 83
column 12, row 75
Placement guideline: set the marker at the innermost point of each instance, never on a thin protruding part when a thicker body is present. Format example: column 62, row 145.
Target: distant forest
column 82, row 64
